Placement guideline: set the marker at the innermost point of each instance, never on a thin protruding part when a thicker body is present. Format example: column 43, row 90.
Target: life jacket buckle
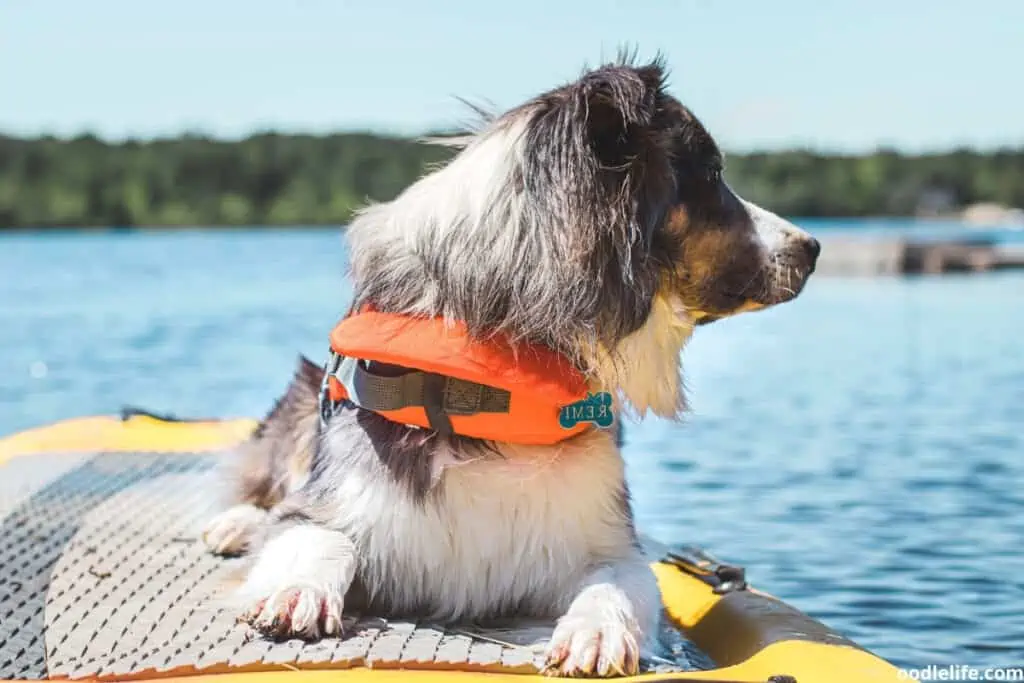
column 327, row 405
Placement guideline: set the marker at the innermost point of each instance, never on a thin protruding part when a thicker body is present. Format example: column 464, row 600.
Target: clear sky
column 915, row 74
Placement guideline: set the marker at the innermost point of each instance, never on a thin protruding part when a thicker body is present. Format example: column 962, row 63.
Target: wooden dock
column 867, row 257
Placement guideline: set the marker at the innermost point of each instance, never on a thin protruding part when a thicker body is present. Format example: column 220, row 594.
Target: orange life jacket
column 485, row 388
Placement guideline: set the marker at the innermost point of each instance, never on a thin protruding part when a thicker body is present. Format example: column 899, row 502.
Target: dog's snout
column 813, row 248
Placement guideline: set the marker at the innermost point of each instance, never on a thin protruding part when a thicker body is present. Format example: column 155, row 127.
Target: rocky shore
column 898, row 256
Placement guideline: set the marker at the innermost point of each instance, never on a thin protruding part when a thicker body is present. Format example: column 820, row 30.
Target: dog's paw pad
column 584, row 646
column 231, row 532
column 299, row 611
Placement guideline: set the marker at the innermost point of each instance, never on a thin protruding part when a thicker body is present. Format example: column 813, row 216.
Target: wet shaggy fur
column 593, row 219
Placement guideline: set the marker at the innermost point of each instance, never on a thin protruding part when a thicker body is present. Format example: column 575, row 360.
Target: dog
column 592, row 220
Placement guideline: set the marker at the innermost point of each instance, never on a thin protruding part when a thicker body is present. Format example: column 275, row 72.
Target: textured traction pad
column 102, row 575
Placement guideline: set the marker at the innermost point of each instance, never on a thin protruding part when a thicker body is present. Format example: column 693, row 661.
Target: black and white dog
column 592, row 219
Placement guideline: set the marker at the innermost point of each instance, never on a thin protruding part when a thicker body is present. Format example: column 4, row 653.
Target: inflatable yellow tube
column 136, row 433
column 749, row 635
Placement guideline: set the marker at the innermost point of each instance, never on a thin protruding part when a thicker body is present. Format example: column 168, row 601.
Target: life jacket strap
column 378, row 388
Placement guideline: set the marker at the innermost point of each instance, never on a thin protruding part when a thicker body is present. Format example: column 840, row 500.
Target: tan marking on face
column 721, row 267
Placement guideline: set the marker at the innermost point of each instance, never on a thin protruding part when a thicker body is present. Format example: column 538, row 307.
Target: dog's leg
column 231, row 532
column 274, row 461
column 298, row 584
column 608, row 623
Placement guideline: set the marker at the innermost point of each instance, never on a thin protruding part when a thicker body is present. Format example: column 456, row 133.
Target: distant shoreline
column 49, row 183
column 954, row 219
column 221, row 227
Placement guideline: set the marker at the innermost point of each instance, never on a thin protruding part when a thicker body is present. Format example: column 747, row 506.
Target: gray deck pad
column 102, row 574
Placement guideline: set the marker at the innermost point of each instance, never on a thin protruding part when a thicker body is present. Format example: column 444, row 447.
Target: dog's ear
column 597, row 157
column 620, row 103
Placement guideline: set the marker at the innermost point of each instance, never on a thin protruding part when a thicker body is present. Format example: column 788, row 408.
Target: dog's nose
column 813, row 248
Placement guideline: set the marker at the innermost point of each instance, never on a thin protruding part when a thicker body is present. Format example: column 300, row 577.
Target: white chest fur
column 515, row 532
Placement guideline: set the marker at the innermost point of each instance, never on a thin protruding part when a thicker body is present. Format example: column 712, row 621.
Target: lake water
column 860, row 450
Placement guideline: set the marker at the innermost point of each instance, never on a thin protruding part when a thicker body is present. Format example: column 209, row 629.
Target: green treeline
column 299, row 179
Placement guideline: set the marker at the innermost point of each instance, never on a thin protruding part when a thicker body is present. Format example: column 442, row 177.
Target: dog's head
column 593, row 218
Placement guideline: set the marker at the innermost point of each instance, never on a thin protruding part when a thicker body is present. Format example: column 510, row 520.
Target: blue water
column 860, row 450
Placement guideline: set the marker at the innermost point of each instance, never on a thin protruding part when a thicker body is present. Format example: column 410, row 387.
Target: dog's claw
column 586, row 647
column 301, row 611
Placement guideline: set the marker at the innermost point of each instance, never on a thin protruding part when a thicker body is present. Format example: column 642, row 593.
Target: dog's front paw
column 305, row 611
column 597, row 637
column 583, row 647
column 231, row 532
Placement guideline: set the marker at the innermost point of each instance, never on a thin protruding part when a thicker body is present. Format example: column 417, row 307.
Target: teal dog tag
column 595, row 408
